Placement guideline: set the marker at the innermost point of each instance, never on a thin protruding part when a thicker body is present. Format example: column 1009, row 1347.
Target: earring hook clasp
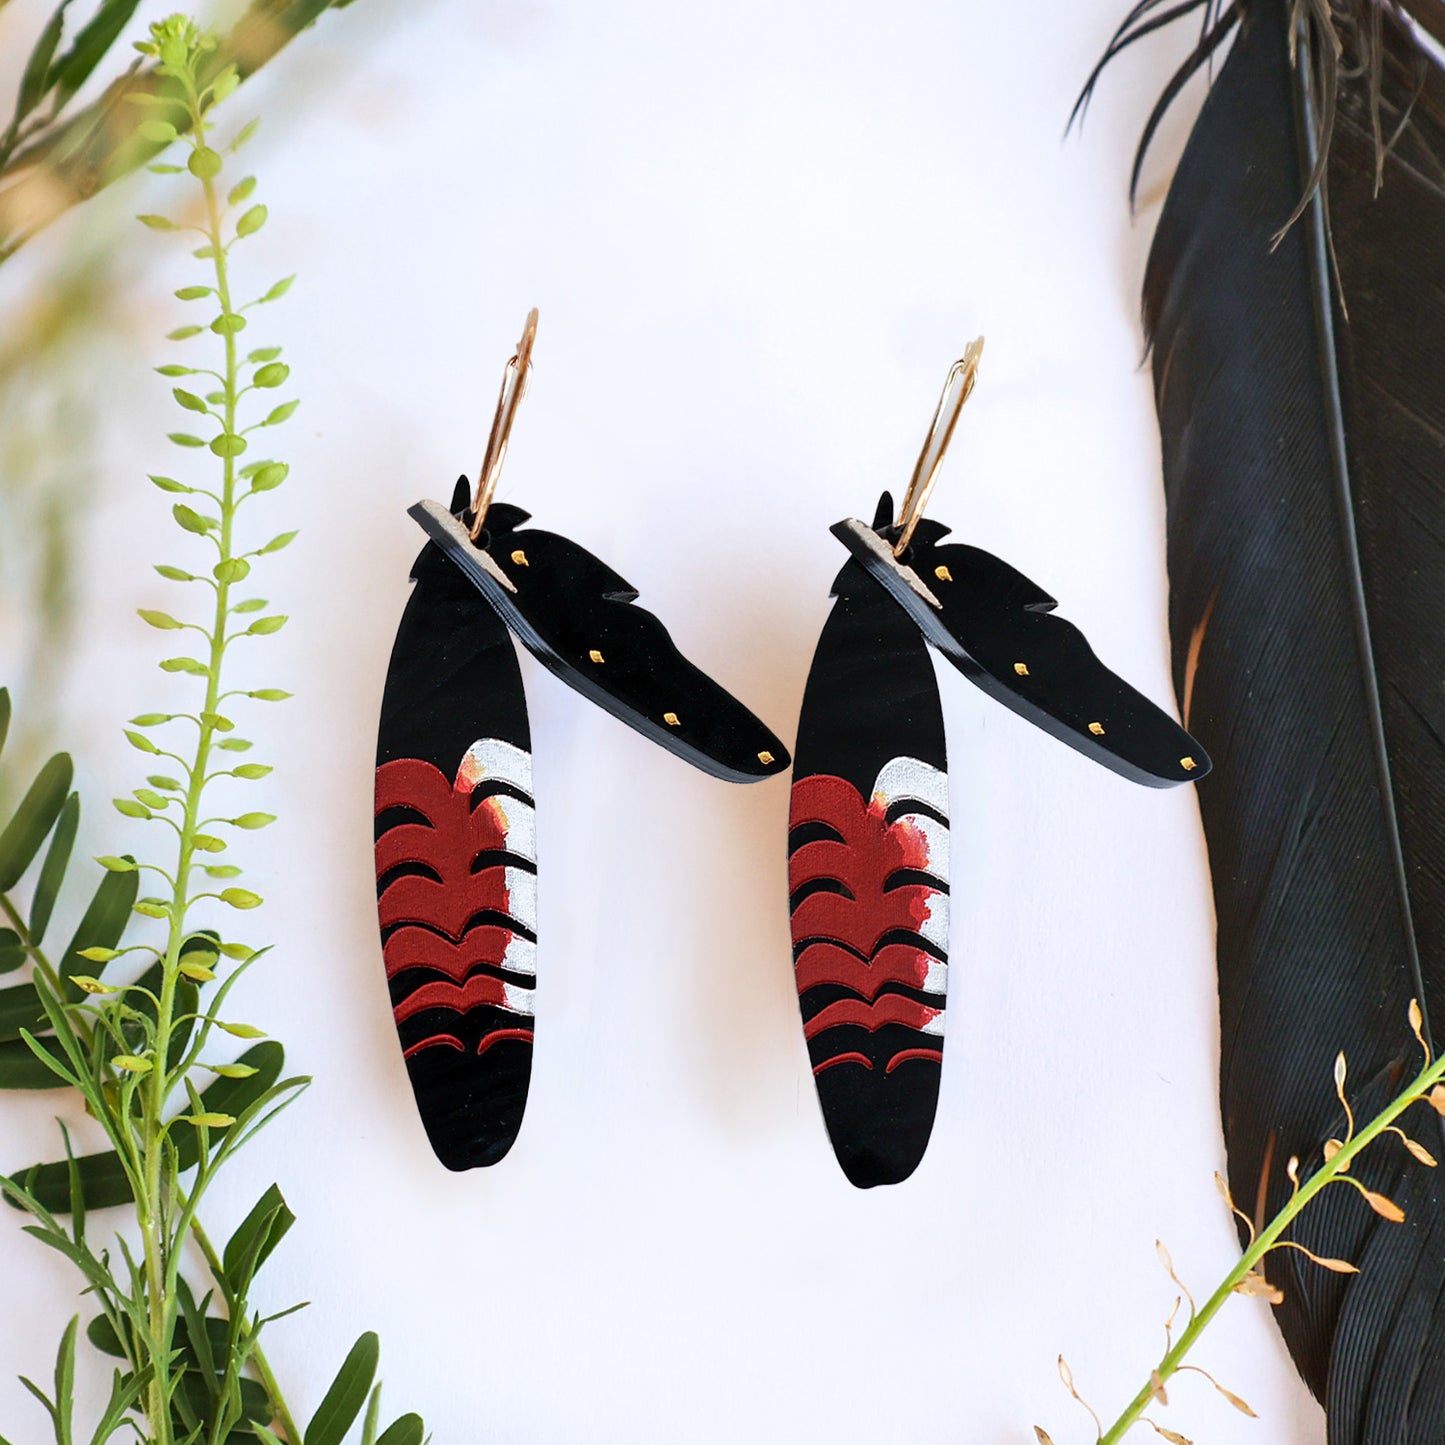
column 514, row 387
column 956, row 390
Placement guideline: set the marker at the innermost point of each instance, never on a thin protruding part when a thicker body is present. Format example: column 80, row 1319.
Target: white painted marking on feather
column 934, row 1025
column 438, row 519
column 880, row 549
column 935, row 927
column 521, row 956
column 935, row 842
column 522, row 898
column 936, row 979
column 518, row 822
column 518, row 1000
column 913, row 779
column 492, row 760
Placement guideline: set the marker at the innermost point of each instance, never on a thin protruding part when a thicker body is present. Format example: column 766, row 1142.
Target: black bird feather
column 1300, row 381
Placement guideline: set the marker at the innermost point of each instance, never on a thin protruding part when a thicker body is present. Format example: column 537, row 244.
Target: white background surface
column 758, row 234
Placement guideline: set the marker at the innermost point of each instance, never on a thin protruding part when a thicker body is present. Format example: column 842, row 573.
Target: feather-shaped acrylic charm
column 456, row 855
column 1299, row 373
column 868, row 842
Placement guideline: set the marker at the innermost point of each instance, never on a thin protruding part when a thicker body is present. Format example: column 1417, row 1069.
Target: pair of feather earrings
column 867, row 844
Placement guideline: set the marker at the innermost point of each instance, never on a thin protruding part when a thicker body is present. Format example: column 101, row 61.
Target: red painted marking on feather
column 456, row 835
column 904, row 1056
column 824, row 962
column 482, row 990
column 842, row 1059
column 871, row 852
column 892, row 1008
column 436, row 1041
column 412, row 947
column 500, row 1036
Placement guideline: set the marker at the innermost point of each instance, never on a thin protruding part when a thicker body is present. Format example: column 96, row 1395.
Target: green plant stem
column 156, row 1207
column 1333, row 1171
column 255, row 1354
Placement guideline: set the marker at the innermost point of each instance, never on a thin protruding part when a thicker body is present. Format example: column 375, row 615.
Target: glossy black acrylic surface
column 579, row 619
column 999, row 629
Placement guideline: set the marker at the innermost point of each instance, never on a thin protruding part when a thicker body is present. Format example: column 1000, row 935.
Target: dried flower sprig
column 1248, row 1275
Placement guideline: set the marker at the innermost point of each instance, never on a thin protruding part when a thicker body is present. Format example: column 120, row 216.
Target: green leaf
column 101, row 1333
column 277, row 543
column 251, row 221
column 130, row 808
column 151, row 798
column 270, row 477
column 255, row 1238
column 140, row 742
column 34, row 819
column 228, row 323
column 159, row 223
column 99, row 955
column 165, row 784
column 209, row 1120
column 240, row 898
column 265, row 353
column 270, row 694
column 231, row 1071
column 52, row 871
column 174, row 574
column 241, row 191
column 277, row 291
column 207, row 843
column 184, row 333
column 272, row 374
column 228, row 444
column 264, row 626
column 191, row 520
column 169, row 484
column 20, row 1008
column 217, row 722
column 235, row 745
column 251, row 604
column 408, row 1430
column 103, row 923
column 204, row 163
column 132, row 1064
column 183, row 664
column 21, row 1068
column 184, row 439
column 152, row 719
column 281, row 413
column 186, row 293
column 251, row 771
column 113, row 864
column 189, row 399
column 343, row 1402
column 93, row 41
column 103, row 1179
column 36, row 81
column 158, row 132
column 252, row 821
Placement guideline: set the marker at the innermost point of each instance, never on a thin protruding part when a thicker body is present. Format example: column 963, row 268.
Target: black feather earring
column 456, row 861
column 868, row 838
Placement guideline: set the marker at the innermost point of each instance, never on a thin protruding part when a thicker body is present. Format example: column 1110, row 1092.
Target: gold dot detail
column 520, row 558
column 765, row 756
column 1022, row 668
column 595, row 655
column 943, row 574
column 1188, row 764
column 671, row 719
column 1097, row 729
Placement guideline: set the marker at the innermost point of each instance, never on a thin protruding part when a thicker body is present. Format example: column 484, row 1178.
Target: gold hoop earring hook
column 956, row 390
column 515, row 377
